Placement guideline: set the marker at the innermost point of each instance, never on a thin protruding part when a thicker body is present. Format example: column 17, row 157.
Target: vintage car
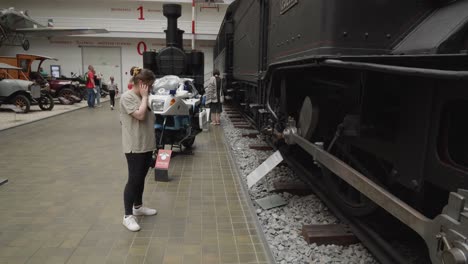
column 65, row 88
column 21, row 93
column 58, row 88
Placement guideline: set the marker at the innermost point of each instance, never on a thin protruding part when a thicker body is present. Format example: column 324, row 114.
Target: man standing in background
column 98, row 83
column 90, row 85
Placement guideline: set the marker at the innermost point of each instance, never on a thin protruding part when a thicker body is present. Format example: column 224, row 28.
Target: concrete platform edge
column 245, row 192
column 39, row 119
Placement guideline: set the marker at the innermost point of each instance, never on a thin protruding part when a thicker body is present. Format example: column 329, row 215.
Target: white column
column 193, row 24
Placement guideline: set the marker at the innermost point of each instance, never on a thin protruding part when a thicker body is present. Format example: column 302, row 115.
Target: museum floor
column 63, row 202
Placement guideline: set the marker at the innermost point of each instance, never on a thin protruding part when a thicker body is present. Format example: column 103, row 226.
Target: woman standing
column 113, row 89
column 138, row 145
column 214, row 97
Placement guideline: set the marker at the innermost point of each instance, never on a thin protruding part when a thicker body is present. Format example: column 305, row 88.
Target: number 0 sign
column 141, row 47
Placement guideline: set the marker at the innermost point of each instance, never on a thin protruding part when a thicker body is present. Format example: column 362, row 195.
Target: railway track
column 368, row 230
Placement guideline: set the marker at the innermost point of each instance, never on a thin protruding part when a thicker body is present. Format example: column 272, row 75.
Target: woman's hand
column 144, row 90
column 140, row 113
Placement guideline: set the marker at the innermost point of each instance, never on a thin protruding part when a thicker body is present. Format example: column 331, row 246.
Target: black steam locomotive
column 375, row 91
column 173, row 60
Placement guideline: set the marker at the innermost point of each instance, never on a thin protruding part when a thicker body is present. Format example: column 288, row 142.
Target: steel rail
column 445, row 235
column 381, row 249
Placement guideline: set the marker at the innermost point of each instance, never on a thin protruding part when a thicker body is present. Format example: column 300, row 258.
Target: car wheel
column 22, row 102
column 46, row 103
column 67, row 93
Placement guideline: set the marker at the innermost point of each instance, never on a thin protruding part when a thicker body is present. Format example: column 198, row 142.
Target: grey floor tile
column 66, row 206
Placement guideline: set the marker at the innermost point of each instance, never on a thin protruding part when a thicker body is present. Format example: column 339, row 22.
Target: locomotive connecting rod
column 444, row 235
column 420, row 72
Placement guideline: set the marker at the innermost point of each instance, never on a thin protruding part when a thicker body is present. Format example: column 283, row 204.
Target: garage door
column 106, row 60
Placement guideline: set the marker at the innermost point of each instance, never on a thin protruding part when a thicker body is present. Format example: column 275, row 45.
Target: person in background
column 98, row 82
column 113, row 89
column 214, row 97
column 138, row 142
column 90, row 85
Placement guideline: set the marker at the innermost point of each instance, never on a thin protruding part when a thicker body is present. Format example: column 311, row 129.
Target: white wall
column 68, row 52
column 121, row 18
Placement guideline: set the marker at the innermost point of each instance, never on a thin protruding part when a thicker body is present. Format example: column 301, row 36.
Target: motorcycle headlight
column 157, row 105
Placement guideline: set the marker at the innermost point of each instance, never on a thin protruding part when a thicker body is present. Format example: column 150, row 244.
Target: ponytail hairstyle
column 134, row 71
column 144, row 75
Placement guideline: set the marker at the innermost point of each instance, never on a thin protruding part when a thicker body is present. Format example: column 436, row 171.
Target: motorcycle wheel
column 46, row 102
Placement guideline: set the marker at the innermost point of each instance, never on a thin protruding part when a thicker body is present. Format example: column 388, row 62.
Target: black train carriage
column 381, row 85
column 173, row 60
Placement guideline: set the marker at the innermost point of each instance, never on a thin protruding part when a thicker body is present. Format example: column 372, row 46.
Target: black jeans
column 138, row 165
column 112, row 97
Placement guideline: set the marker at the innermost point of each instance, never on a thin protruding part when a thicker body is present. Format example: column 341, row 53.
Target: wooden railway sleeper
column 446, row 235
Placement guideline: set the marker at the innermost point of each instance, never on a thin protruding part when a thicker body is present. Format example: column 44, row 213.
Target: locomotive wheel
column 349, row 199
column 308, row 118
column 46, row 103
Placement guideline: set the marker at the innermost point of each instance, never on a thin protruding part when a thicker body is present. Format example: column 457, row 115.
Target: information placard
column 163, row 159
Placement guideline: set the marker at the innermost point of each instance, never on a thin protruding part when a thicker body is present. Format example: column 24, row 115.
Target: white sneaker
column 144, row 211
column 130, row 223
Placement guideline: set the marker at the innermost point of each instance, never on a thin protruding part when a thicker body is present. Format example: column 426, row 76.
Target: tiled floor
column 63, row 202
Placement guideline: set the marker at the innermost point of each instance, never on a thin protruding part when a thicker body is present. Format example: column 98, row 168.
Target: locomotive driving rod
column 445, row 235
column 420, row 72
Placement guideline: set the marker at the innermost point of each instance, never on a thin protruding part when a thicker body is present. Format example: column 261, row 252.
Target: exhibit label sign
column 163, row 159
column 264, row 169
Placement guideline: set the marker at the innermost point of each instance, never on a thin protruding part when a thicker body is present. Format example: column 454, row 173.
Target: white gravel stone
column 282, row 225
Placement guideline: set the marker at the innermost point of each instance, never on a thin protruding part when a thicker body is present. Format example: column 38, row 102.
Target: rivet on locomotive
column 375, row 92
column 175, row 98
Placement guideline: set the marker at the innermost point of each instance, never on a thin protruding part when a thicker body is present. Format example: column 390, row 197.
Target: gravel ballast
column 282, row 225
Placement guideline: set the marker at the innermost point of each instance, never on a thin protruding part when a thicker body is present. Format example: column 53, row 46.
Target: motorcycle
column 176, row 104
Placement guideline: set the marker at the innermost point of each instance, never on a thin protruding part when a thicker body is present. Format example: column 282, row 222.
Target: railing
column 131, row 25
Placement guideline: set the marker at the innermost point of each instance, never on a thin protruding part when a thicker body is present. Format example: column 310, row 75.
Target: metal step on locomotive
column 175, row 99
column 374, row 92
